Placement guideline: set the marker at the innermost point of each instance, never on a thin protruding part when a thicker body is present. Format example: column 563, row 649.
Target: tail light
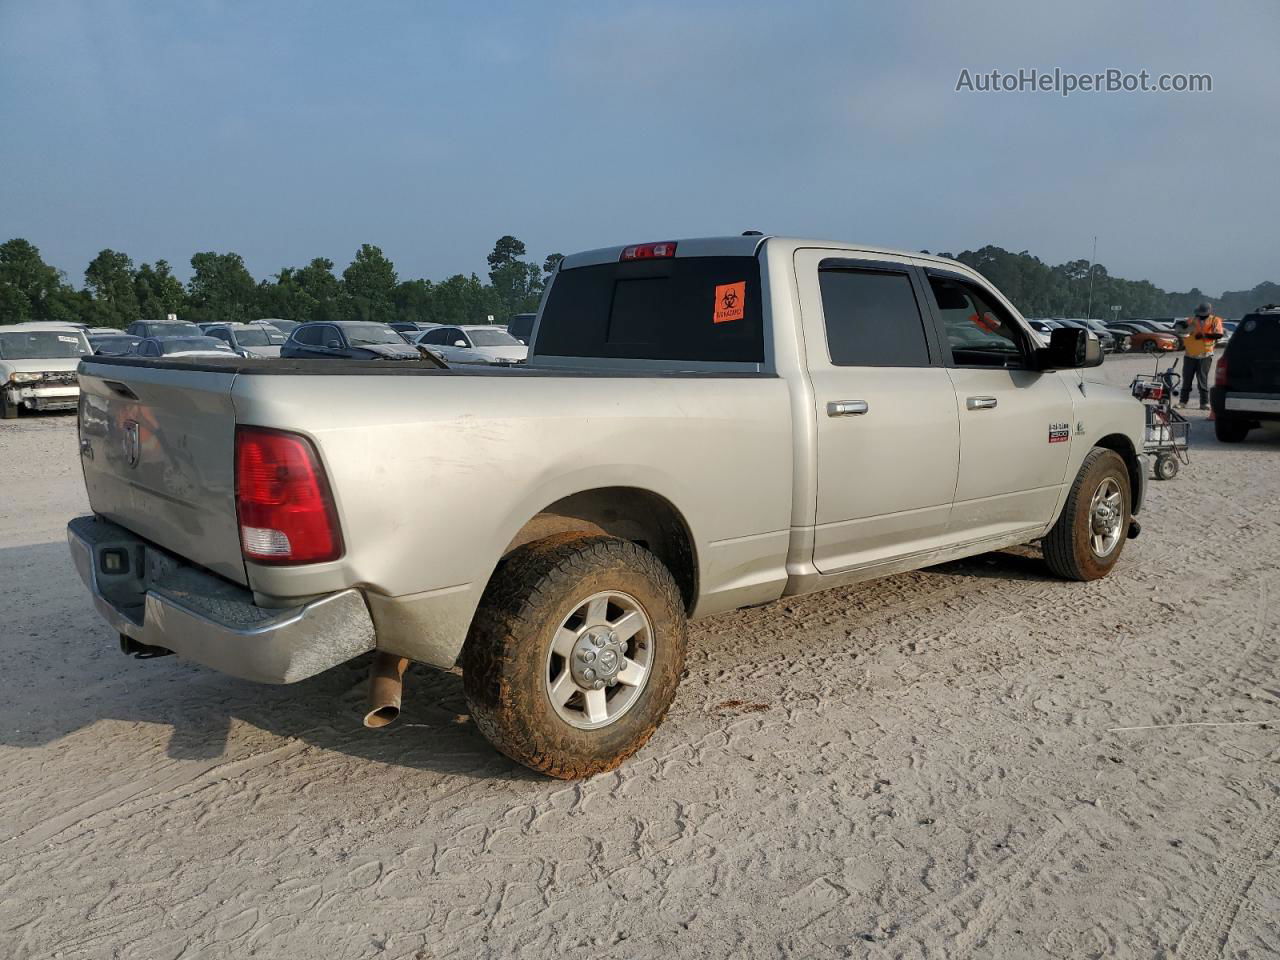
column 282, row 500
column 1220, row 373
column 649, row 251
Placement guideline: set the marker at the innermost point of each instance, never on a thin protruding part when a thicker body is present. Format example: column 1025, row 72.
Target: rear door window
column 691, row 308
column 872, row 319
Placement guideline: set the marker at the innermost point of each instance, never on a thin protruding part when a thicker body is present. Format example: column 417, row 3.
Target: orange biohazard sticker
column 731, row 302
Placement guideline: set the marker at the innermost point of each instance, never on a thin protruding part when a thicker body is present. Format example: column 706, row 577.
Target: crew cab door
column 1016, row 423
column 887, row 432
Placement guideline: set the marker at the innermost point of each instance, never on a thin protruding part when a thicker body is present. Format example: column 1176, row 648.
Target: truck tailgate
column 158, row 450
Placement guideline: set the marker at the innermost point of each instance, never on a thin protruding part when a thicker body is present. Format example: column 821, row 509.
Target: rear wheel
column 1089, row 536
column 575, row 653
column 1230, row 429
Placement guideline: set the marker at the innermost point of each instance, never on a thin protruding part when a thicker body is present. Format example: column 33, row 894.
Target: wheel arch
column 1122, row 445
column 636, row 514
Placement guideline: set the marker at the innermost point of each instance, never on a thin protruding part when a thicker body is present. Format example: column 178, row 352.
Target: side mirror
column 1070, row 348
column 459, row 343
column 333, row 344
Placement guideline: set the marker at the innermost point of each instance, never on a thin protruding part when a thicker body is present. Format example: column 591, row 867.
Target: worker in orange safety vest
column 1204, row 330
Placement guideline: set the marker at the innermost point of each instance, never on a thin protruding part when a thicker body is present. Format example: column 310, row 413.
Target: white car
column 38, row 366
column 248, row 339
column 477, row 343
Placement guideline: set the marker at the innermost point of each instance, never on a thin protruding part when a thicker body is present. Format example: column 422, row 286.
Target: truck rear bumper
column 153, row 597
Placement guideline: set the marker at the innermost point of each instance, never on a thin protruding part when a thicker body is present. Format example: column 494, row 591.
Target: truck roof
column 748, row 246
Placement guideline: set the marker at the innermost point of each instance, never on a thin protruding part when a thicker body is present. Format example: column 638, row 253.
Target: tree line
column 1039, row 290
column 221, row 288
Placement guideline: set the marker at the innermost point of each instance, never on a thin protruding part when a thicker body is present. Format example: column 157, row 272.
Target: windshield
column 174, row 330
column 493, row 338
column 185, row 344
column 41, row 345
column 113, row 345
column 253, row 337
column 362, row 333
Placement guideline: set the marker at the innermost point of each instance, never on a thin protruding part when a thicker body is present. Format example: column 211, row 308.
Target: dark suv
column 521, row 327
column 347, row 340
column 1246, row 386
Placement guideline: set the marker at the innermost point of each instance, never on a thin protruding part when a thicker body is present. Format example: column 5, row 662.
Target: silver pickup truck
column 702, row 425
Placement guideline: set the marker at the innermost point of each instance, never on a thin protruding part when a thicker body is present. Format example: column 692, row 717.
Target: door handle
column 980, row 403
column 847, row 408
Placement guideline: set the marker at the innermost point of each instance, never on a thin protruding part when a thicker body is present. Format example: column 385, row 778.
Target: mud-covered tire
column 505, row 659
column 1231, row 429
column 1067, row 548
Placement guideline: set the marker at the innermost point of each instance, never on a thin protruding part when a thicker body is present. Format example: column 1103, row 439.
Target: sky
column 289, row 130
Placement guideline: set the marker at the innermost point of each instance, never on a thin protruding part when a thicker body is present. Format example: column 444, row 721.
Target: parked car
column 182, row 347
column 284, row 326
column 1138, row 326
column 409, row 327
column 38, row 367
column 249, row 339
column 1150, row 339
column 1113, row 341
column 112, row 343
column 347, row 340
column 521, row 327
column 1246, row 384
column 163, row 328
column 1109, row 339
column 686, row 439
column 1043, row 327
column 473, row 344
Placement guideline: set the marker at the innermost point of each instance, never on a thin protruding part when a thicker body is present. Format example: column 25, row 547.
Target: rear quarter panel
column 434, row 476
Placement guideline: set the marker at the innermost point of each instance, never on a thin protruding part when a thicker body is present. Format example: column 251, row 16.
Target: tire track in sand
column 958, row 925
column 1206, row 938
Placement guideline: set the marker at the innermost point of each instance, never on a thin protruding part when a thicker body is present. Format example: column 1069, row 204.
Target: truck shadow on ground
column 65, row 674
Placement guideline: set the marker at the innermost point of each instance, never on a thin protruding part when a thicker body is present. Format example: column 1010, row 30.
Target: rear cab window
column 691, row 309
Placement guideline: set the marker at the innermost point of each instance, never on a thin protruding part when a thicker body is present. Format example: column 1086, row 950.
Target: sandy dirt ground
column 974, row 760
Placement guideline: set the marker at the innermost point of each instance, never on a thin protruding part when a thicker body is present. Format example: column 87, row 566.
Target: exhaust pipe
column 386, row 683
